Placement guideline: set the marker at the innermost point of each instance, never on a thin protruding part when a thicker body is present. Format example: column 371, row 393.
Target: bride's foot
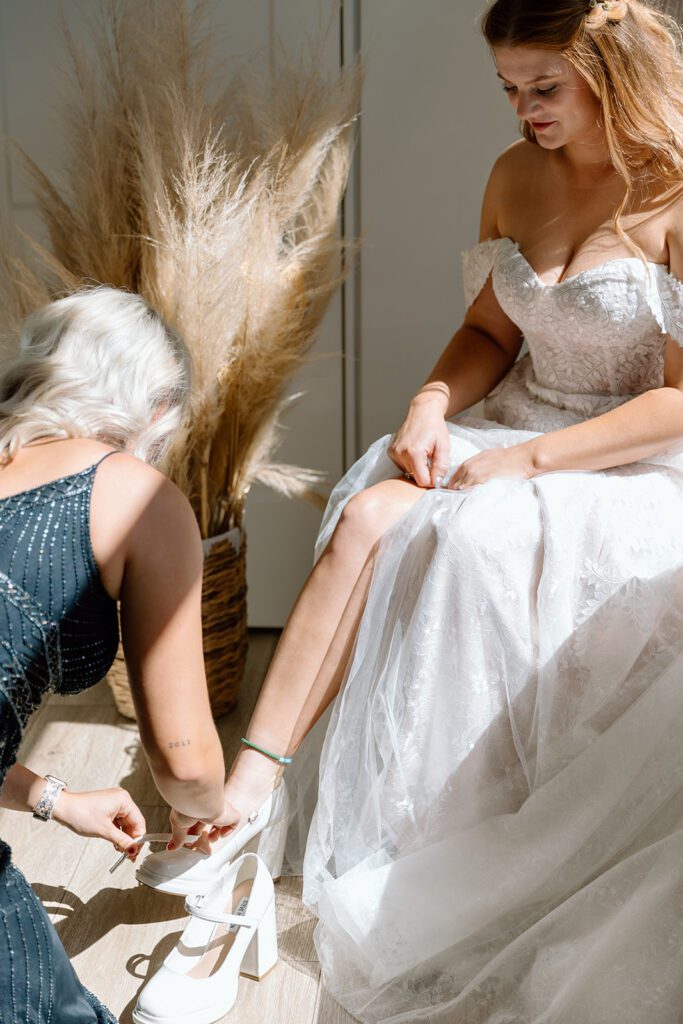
column 252, row 779
column 257, row 796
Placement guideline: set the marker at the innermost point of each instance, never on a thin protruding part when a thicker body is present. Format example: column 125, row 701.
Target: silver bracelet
column 46, row 805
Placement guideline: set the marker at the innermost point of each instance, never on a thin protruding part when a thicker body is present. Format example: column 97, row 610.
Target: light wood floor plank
column 116, row 931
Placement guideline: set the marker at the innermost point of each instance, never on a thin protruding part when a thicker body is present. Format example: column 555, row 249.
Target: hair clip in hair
column 607, row 6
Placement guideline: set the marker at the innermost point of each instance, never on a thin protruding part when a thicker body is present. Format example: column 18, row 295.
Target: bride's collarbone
column 555, row 264
column 556, row 255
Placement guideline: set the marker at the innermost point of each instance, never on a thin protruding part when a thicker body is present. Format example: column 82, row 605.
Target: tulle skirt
column 498, row 827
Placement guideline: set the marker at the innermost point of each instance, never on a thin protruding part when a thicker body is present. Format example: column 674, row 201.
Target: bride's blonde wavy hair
column 100, row 363
column 631, row 55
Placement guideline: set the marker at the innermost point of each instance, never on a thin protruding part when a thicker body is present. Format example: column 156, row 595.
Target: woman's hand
column 183, row 827
column 109, row 814
column 516, row 462
column 421, row 446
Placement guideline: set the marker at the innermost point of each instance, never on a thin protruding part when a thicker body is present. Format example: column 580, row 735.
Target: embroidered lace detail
column 666, row 302
column 477, row 264
column 595, row 339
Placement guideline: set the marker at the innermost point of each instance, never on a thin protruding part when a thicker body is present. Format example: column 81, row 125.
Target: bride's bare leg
column 309, row 662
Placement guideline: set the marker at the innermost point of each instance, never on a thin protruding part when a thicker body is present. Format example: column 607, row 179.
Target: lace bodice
column 595, row 339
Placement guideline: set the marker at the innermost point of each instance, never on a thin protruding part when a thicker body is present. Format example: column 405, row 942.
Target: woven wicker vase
column 224, row 622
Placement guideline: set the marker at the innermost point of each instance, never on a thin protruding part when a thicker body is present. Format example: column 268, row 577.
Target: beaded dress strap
column 62, row 487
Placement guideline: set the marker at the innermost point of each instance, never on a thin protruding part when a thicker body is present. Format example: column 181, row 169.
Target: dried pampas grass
column 220, row 207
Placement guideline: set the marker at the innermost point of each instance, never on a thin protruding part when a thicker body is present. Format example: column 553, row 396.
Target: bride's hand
column 516, row 462
column 421, row 445
column 109, row 814
column 183, row 827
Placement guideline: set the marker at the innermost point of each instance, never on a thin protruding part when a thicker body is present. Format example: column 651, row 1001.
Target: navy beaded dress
column 59, row 633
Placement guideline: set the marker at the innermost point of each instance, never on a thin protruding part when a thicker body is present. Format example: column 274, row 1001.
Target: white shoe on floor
column 232, row 930
column 187, row 871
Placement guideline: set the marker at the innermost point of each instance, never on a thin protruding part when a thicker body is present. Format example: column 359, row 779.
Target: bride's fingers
column 420, row 468
column 219, row 831
column 440, row 461
column 203, row 844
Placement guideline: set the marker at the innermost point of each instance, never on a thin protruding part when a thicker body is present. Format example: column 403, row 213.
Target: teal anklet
column 274, row 757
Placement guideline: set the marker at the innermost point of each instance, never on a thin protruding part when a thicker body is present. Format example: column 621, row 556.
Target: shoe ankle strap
column 149, row 837
column 195, row 905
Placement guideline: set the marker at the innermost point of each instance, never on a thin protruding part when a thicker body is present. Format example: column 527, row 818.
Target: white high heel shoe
column 232, row 930
column 187, row 871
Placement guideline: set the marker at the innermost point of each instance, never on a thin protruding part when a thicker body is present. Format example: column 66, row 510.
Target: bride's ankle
column 252, row 778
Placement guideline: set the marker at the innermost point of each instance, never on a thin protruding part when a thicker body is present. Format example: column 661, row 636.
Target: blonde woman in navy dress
column 93, row 395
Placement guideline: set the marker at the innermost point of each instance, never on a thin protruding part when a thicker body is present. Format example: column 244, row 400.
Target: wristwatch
column 45, row 806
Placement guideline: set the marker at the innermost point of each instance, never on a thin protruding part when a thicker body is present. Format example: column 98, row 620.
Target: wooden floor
column 116, row 931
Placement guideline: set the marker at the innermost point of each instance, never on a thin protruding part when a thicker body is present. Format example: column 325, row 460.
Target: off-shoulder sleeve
column 477, row 264
column 665, row 298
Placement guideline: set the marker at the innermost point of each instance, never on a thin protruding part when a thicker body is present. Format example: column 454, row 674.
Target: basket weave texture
column 224, row 625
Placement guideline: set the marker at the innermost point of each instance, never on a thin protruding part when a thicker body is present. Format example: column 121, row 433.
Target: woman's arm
column 21, row 789
column 162, row 641
column 635, row 430
column 641, row 427
column 106, row 813
column 475, row 360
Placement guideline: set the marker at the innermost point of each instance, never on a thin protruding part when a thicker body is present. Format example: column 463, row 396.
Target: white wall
column 433, row 120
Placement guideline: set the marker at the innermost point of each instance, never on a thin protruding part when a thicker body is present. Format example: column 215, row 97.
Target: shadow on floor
column 82, row 924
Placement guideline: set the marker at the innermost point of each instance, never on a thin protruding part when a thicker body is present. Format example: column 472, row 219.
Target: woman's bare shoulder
column 505, row 186
column 140, row 525
column 144, row 498
column 517, row 158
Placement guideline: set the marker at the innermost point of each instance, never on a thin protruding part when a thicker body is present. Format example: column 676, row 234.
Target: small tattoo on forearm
column 179, row 743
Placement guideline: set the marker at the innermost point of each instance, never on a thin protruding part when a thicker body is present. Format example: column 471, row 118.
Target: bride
column 498, row 601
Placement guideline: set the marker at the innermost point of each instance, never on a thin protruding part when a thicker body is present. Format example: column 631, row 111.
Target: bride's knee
column 365, row 517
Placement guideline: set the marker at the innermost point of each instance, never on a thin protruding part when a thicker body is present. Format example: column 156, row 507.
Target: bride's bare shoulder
column 507, row 185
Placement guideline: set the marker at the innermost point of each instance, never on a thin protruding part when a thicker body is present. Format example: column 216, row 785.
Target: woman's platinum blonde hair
column 100, row 363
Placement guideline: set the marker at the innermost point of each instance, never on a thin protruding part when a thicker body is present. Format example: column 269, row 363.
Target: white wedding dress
column 498, row 837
